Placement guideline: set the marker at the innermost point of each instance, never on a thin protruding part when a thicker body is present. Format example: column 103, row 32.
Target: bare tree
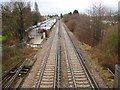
column 36, row 14
column 97, row 14
column 19, row 9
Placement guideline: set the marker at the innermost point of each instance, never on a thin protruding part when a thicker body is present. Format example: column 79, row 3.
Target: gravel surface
column 64, row 75
column 28, row 83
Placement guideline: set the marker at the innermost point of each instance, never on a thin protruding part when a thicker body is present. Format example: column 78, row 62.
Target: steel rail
column 15, row 75
column 45, row 59
column 57, row 66
column 93, row 82
column 11, row 69
column 9, row 76
column 21, row 82
column 70, row 66
column 6, row 77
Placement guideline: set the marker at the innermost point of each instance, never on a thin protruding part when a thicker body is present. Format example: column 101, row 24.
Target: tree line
column 16, row 17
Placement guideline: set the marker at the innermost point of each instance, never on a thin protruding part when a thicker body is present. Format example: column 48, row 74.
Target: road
column 59, row 64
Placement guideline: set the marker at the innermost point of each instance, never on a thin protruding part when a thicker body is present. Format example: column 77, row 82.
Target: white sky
column 65, row 6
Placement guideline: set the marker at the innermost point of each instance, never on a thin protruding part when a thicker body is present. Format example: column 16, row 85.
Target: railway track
column 48, row 75
column 78, row 74
column 8, row 75
column 9, row 80
column 16, row 75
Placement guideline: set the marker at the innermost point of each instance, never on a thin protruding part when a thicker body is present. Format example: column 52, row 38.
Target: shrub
column 108, row 48
column 72, row 24
column 110, row 41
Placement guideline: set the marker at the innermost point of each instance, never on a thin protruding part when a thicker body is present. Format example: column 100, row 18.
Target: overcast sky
column 65, row 6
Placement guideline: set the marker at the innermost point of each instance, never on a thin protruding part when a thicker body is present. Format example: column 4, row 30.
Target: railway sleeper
column 12, row 71
column 48, row 74
column 46, row 86
column 47, row 80
column 23, row 72
column 27, row 67
column 81, row 76
column 83, row 86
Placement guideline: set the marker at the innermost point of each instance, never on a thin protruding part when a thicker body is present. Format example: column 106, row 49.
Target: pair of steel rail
column 92, row 81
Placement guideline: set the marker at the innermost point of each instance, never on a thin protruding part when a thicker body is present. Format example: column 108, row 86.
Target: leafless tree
column 97, row 13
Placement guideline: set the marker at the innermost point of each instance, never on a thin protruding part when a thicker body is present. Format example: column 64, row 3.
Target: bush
column 110, row 41
column 108, row 48
column 79, row 24
column 72, row 24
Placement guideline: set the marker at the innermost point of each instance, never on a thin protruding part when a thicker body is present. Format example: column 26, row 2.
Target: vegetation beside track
column 16, row 18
